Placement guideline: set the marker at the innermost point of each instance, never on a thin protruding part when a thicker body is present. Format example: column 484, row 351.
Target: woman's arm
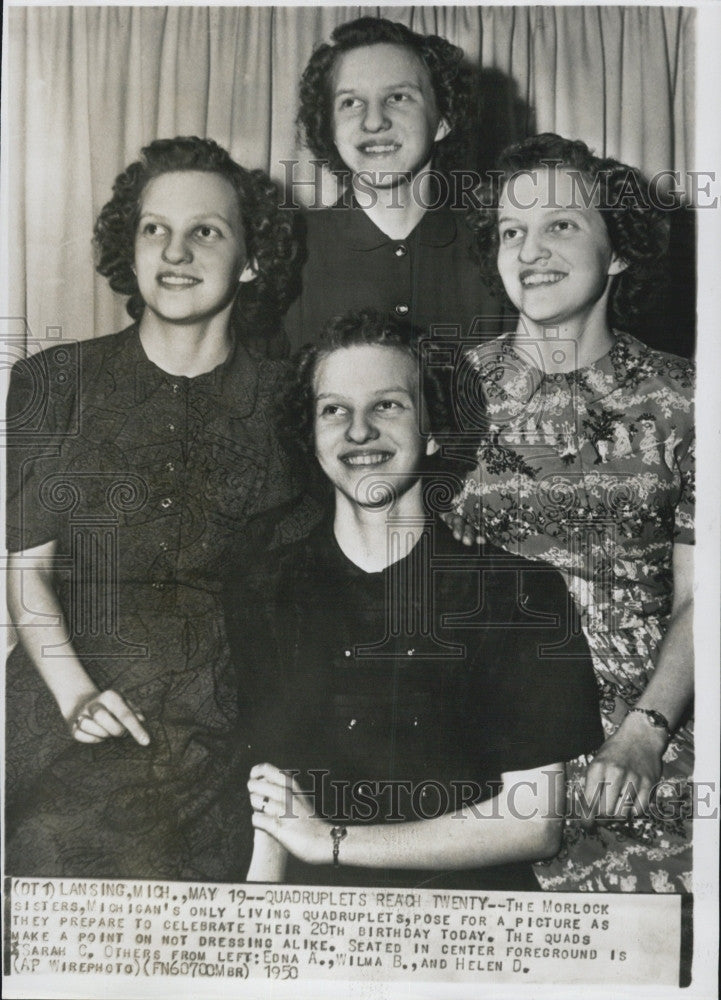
column 522, row 823
column 628, row 765
column 269, row 859
column 35, row 610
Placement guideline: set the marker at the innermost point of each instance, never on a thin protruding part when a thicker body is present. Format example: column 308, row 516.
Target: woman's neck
column 399, row 209
column 374, row 538
column 569, row 345
column 186, row 349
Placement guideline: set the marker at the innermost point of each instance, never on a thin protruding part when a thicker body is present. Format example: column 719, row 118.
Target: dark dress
column 437, row 675
column 426, row 279
column 143, row 479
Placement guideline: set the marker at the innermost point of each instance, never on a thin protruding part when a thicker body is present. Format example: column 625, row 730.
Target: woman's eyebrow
column 408, row 84
column 200, row 217
column 376, row 392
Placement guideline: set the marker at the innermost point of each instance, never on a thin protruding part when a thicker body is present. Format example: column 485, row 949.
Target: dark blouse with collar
column 143, row 479
column 408, row 692
column 427, row 278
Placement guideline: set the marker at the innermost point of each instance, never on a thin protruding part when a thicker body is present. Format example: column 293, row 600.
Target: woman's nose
column 177, row 250
column 533, row 248
column 375, row 118
column 361, row 429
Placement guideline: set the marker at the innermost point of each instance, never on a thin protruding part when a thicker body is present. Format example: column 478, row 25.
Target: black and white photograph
column 353, row 365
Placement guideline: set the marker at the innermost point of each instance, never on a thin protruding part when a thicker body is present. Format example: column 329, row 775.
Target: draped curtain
column 88, row 86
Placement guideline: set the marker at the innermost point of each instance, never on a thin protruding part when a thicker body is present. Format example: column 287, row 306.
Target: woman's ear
column 617, row 265
column 249, row 272
column 432, row 446
column 443, row 130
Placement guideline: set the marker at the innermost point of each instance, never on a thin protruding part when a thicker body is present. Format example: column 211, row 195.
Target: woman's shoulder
column 60, row 375
column 648, row 363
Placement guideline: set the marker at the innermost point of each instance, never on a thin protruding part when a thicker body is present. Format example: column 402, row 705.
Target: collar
column 514, row 380
column 437, row 228
column 236, row 379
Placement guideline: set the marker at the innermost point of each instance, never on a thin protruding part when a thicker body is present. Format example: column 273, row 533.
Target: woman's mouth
column 167, row 279
column 366, row 457
column 533, row 279
column 379, row 148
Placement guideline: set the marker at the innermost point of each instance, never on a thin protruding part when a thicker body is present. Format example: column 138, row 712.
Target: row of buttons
column 400, row 251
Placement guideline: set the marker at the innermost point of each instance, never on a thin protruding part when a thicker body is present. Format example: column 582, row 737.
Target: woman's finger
column 602, row 789
column 97, row 717
column 118, row 707
column 644, row 797
column 265, row 804
column 82, row 737
column 268, row 771
column 264, row 790
column 633, row 798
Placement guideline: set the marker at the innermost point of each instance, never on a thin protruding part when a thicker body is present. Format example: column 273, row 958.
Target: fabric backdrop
column 87, row 87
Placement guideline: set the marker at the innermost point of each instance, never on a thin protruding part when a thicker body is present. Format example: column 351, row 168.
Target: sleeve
column 42, row 412
column 538, row 702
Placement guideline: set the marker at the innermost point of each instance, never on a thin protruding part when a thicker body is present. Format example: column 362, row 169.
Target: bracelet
column 337, row 833
column 657, row 720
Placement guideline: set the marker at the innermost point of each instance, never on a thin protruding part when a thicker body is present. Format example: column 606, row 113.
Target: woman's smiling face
column 385, row 117
column 367, row 420
column 189, row 245
column 554, row 254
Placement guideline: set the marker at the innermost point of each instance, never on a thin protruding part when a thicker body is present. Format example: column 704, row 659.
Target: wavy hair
column 270, row 233
column 637, row 229
column 296, row 422
column 443, row 61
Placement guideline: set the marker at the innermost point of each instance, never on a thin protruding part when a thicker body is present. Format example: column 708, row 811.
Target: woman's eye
column 388, row 406
column 509, row 235
column 152, row 229
column 332, row 410
column 398, row 98
column 208, row 234
column 348, row 103
column 562, row 226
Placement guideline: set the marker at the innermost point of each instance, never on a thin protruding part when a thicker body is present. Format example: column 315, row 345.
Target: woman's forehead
column 366, row 368
column 195, row 192
column 549, row 188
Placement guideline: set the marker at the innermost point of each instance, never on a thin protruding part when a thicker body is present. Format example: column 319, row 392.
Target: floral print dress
column 592, row 470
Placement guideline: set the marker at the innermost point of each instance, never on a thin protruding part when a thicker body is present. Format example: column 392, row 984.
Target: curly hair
column 443, row 61
column 270, row 233
column 296, row 422
column 637, row 229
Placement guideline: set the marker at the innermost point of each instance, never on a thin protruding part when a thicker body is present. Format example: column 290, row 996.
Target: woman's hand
column 463, row 529
column 282, row 810
column 630, row 760
column 104, row 715
column 624, row 772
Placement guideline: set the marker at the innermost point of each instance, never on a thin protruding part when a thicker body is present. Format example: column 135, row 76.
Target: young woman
column 134, row 460
column 388, row 110
column 587, row 463
column 409, row 710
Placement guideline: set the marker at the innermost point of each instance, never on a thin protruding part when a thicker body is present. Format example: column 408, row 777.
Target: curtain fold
column 91, row 85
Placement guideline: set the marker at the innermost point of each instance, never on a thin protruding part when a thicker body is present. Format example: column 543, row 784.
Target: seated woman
column 411, row 700
column 587, row 463
column 134, row 460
